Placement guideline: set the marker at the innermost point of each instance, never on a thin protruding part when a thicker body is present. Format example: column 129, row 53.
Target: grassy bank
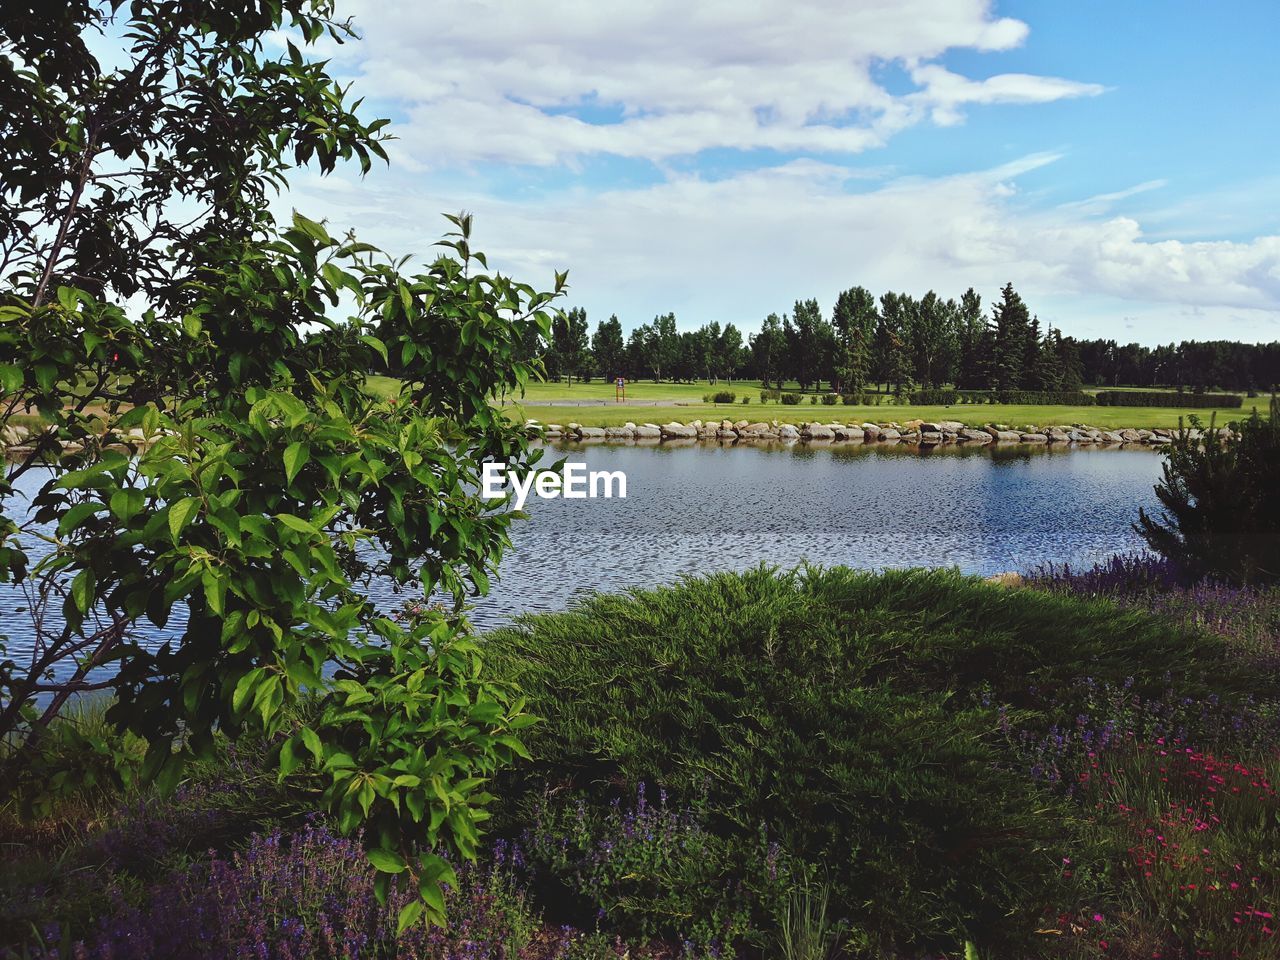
column 805, row 765
column 1015, row 415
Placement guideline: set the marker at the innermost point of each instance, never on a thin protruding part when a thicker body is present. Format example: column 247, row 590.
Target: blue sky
column 1115, row 161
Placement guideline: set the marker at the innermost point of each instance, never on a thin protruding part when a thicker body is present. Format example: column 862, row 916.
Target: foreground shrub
column 1221, row 514
column 790, row 399
column 720, row 396
column 826, row 706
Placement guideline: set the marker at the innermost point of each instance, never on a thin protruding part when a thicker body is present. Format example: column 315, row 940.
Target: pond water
column 693, row 508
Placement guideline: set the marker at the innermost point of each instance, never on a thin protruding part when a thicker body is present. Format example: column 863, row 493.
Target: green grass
column 1017, row 416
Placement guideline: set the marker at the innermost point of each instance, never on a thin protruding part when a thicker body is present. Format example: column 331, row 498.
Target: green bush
column 790, row 399
column 850, row 399
column 830, row 399
column 720, row 396
column 837, row 710
column 1221, row 514
column 1161, row 398
column 935, row 397
column 746, row 400
column 767, row 395
column 813, row 399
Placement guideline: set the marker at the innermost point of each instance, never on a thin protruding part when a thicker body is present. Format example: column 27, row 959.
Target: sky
column 1116, row 161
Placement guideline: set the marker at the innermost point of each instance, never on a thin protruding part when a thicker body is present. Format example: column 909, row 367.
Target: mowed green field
column 664, row 402
column 1016, row 416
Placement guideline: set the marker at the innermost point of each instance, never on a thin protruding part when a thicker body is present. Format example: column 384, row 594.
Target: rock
column 647, row 431
column 950, row 426
column 975, row 436
column 816, row 431
column 890, row 433
column 619, row 433
column 1032, row 438
column 1145, row 434
column 788, row 432
column 1110, row 436
column 723, row 434
column 1129, row 435
column 739, row 424
column 929, row 438
column 679, row 431
column 591, row 433
column 1076, row 436
column 927, row 426
column 870, row 431
column 1057, row 435
column 914, row 425
column 848, row 433
column 1008, row 436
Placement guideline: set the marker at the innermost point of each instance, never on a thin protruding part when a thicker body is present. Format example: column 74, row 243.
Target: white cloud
column 741, row 247
column 497, row 81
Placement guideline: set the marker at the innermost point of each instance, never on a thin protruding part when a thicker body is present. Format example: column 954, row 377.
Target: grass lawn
column 1015, row 415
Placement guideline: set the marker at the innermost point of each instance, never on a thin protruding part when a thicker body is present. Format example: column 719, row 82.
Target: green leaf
column 10, row 378
column 82, row 590
column 312, row 742
column 388, row 861
column 244, row 688
column 191, row 325
column 127, row 503
column 297, row 523
column 376, row 344
column 410, row 914
column 296, row 456
column 179, row 515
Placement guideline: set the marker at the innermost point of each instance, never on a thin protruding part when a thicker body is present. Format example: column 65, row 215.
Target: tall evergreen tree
column 974, row 344
column 1010, row 325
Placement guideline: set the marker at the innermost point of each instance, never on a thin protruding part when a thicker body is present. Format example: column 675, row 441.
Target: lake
column 697, row 507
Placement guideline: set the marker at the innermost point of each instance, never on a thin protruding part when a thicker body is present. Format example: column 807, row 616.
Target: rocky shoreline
column 923, row 433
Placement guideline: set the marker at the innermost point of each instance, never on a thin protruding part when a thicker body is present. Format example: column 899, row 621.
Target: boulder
column 1129, row 435
column 729, row 434
column 647, row 431
column 619, row 433
column 1110, row 436
column 927, row 426
column 870, row 431
column 591, row 433
column 1032, row 438
column 788, row 432
column 848, row 433
column 975, row 436
column 950, row 426
column 1008, row 436
column 816, row 431
column 929, row 438
column 1058, row 435
column 678, row 431
column 890, row 433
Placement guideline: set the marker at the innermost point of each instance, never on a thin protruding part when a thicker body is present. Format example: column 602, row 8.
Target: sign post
column 619, row 390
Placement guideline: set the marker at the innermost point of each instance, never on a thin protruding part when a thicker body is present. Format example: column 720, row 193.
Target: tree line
column 897, row 343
